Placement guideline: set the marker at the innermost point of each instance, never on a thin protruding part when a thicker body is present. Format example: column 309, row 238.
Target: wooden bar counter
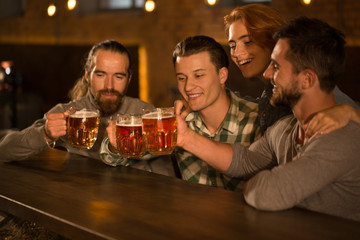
column 82, row 198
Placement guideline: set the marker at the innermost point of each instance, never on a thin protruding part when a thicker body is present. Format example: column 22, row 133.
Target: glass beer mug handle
column 71, row 110
column 68, row 112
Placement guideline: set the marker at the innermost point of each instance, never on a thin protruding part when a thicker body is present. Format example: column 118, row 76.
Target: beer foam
column 127, row 124
column 156, row 115
column 84, row 113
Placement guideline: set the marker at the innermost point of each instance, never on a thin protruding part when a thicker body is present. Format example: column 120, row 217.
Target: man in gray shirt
column 107, row 75
column 285, row 168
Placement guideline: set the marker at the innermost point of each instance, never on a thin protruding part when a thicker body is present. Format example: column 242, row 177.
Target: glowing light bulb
column 8, row 70
column 71, row 4
column 211, row 2
column 149, row 5
column 51, row 10
column 306, row 2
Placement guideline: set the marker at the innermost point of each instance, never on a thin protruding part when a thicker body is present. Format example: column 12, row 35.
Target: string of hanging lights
column 149, row 5
column 71, row 4
column 51, row 10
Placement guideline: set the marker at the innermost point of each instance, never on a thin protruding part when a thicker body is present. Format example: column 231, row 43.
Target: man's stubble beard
column 287, row 98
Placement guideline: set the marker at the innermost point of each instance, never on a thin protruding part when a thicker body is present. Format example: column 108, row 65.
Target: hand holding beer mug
column 129, row 139
column 82, row 128
column 159, row 130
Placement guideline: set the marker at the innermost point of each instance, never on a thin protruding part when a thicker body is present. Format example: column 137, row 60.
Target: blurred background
column 43, row 45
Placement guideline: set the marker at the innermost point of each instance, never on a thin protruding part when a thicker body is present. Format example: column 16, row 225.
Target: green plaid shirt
column 240, row 126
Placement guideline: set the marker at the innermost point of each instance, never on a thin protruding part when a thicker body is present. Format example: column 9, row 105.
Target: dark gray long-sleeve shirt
column 19, row 145
column 323, row 175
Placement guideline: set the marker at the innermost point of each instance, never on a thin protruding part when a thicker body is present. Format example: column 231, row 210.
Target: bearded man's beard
column 108, row 106
column 287, row 98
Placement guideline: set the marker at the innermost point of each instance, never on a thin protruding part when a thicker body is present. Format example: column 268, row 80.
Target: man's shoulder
column 349, row 136
column 61, row 107
column 83, row 102
column 342, row 144
column 350, row 131
column 355, row 125
column 134, row 105
column 286, row 122
column 132, row 100
column 288, row 119
column 248, row 105
column 242, row 104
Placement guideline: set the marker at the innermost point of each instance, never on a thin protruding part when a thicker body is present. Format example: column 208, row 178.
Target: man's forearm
column 19, row 145
column 216, row 154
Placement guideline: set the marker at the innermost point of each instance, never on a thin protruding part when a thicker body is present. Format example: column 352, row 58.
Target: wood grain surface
column 82, row 198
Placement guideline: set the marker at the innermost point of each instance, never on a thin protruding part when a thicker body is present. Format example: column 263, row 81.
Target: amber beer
column 129, row 139
column 82, row 128
column 159, row 130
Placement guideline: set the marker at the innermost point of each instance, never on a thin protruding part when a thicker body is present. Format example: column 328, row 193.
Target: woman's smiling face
column 251, row 59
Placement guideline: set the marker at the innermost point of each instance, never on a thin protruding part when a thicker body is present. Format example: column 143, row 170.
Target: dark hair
column 81, row 87
column 315, row 45
column 197, row 44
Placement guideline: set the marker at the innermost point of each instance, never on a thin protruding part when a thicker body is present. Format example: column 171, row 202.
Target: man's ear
column 309, row 79
column 86, row 75
column 223, row 74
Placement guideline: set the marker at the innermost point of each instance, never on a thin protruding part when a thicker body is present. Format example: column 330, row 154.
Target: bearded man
column 107, row 75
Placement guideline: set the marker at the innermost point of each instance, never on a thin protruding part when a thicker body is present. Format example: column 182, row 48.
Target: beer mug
column 159, row 130
column 82, row 128
column 129, row 139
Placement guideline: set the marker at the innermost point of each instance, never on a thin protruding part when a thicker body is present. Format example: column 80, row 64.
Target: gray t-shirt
column 323, row 175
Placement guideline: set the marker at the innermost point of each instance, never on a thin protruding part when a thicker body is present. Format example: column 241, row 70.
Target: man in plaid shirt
column 201, row 67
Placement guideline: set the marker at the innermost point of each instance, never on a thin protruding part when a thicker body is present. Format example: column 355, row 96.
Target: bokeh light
column 149, row 5
column 51, row 10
